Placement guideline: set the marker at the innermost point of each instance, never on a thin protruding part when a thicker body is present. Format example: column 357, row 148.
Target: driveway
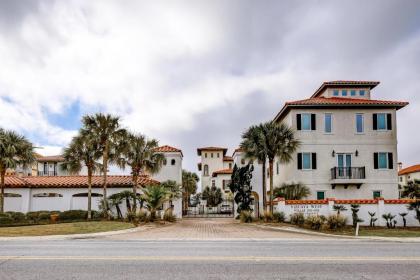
column 208, row 229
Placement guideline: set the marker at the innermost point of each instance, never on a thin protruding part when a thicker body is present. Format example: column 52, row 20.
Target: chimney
column 399, row 166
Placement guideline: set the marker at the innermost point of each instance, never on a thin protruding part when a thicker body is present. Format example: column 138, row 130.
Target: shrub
column 73, row 215
column 34, row 216
column 96, row 215
column 297, row 219
column 5, row 219
column 130, row 216
column 336, row 222
column 44, row 217
column 267, row 217
column 169, row 216
column 17, row 217
column 279, row 217
column 143, row 216
column 315, row 222
column 246, row 217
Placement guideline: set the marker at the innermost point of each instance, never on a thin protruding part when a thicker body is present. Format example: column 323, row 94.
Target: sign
column 307, row 209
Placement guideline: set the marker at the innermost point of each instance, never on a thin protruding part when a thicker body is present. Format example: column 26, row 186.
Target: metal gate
column 224, row 210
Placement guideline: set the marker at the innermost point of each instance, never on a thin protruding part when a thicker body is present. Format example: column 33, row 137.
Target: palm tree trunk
column 2, row 175
column 105, row 167
column 271, row 163
column 89, row 193
column 135, row 193
column 264, row 185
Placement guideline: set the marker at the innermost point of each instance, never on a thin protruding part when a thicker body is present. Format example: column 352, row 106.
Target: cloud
column 197, row 73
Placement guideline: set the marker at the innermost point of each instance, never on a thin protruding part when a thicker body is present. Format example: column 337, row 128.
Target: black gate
column 225, row 210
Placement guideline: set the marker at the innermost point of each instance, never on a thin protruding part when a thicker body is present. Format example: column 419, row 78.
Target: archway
column 256, row 203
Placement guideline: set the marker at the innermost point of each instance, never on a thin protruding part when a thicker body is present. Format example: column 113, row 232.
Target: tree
column 412, row 191
column 15, row 150
column 154, row 196
column 189, row 187
column 241, row 187
column 109, row 137
column 82, row 151
column 354, row 214
column 174, row 190
column 212, row 195
column 253, row 145
column 339, row 208
column 140, row 155
column 279, row 142
column 293, row 191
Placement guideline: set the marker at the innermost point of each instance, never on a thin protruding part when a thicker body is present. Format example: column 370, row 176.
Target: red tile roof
column 211, row 149
column 340, row 84
column 73, row 181
column 338, row 102
column 410, row 169
column 57, row 158
column 227, row 158
column 223, row 171
column 168, row 149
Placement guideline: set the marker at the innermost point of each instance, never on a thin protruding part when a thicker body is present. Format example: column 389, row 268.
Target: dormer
column 346, row 89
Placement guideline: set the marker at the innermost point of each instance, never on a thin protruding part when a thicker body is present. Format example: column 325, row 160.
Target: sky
column 198, row 73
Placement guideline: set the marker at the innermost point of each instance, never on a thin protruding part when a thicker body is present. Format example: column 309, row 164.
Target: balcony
column 347, row 176
column 47, row 173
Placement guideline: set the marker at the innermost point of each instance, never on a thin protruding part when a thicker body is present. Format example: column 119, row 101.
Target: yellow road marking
column 212, row 258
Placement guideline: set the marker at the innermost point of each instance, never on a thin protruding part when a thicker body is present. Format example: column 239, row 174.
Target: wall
column 325, row 208
column 215, row 163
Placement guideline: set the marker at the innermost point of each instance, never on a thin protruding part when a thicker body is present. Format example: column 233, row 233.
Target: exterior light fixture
column 333, row 153
column 356, row 153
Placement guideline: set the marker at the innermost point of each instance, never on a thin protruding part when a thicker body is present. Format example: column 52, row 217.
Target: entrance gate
column 224, row 210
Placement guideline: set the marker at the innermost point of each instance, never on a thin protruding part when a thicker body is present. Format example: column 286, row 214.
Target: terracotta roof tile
column 214, row 149
column 57, row 158
column 227, row 158
column 223, row 171
column 410, row 169
column 341, row 83
column 168, row 149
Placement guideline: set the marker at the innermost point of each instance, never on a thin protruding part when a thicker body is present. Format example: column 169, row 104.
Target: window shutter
column 299, row 121
column 375, row 160
column 313, row 160
column 313, row 122
column 390, row 161
column 375, row 122
column 389, row 121
column 299, row 162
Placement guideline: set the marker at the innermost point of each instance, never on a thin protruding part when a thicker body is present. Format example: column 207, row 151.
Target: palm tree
column 15, row 150
column 279, row 141
column 82, row 151
column 340, row 208
column 154, row 196
column 189, row 186
column 105, row 130
column 140, row 154
column 174, row 190
column 253, row 145
column 293, row 191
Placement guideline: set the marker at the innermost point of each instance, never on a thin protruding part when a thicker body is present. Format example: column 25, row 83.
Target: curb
column 72, row 236
column 374, row 238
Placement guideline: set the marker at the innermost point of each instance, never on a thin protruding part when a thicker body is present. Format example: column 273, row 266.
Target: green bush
column 279, row 217
column 143, row 216
column 297, row 219
column 5, row 219
column 336, row 222
column 315, row 222
column 44, row 217
column 34, row 216
column 169, row 216
column 73, row 215
column 246, row 217
column 17, row 217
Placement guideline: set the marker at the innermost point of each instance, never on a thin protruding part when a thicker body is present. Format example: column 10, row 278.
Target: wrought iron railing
column 348, row 173
column 47, row 173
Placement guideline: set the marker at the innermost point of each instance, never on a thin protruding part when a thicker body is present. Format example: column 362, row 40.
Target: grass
column 64, row 228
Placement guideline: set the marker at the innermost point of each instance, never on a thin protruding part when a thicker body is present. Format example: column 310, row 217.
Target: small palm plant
column 154, row 196
column 354, row 210
column 372, row 218
column 293, row 191
column 404, row 219
column 174, row 191
column 390, row 222
column 339, row 208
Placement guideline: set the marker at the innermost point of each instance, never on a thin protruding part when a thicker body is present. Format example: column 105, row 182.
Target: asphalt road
column 235, row 259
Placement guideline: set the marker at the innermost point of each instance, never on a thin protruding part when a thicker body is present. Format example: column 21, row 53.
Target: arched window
column 48, row 195
column 86, row 195
column 12, row 195
column 206, row 170
column 172, row 161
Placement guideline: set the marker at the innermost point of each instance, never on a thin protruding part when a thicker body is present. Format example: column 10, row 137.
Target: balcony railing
column 47, row 173
column 348, row 173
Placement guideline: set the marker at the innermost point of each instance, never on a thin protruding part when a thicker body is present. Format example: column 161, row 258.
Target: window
column 47, row 195
column 344, row 92
column 377, row 194
column 172, row 161
column 243, row 161
column 382, row 121
column 206, row 170
column 359, row 123
column 86, row 195
column 306, row 122
column 306, row 161
column 205, row 155
column 277, row 168
column 383, row 160
column 164, row 162
column 353, row 92
column 328, row 123
column 335, row 92
column 230, row 165
column 12, row 195
column 320, row 195
column 400, row 179
column 217, row 154
column 362, row 92
column 211, row 155
column 213, row 183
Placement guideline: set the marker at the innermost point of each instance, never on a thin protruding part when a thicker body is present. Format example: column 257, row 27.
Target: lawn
column 64, row 228
column 385, row 232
